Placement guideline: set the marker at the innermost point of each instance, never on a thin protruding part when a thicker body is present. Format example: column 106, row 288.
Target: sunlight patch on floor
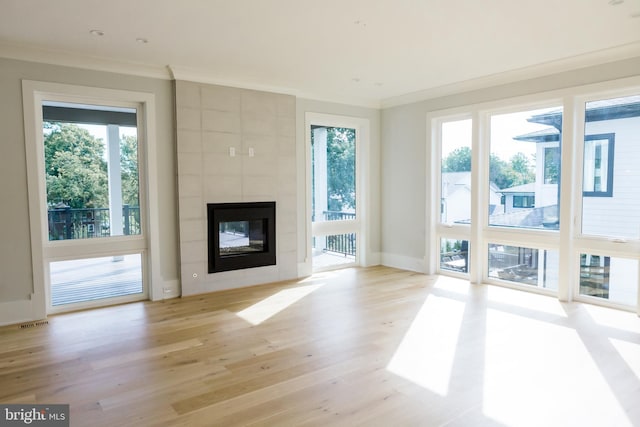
column 274, row 304
column 617, row 319
column 526, row 300
column 630, row 353
column 453, row 284
column 563, row 385
column 427, row 351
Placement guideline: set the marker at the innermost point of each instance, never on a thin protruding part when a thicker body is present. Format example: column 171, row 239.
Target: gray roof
column 543, row 217
column 524, row 188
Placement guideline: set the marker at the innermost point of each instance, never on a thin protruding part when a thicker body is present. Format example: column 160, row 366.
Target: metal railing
column 338, row 215
column 86, row 223
column 344, row 244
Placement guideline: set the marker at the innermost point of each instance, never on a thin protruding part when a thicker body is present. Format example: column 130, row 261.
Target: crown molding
column 200, row 76
column 599, row 57
column 69, row 59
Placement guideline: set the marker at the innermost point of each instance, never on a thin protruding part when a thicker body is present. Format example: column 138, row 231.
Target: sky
column 504, row 127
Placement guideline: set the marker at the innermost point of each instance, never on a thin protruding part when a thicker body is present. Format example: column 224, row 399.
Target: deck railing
column 68, row 223
column 344, row 244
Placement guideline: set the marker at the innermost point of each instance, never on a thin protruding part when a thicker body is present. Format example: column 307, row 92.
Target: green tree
column 517, row 171
column 459, row 160
column 76, row 171
column 522, row 169
column 341, row 168
column 129, row 170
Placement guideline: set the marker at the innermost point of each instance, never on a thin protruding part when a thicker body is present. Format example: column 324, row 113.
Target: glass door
column 523, row 198
column 94, row 249
column 453, row 227
column 334, row 199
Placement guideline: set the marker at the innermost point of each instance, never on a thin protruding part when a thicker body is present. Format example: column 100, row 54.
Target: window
column 454, row 255
column 551, row 165
column 524, row 201
column 610, row 179
column 336, row 190
column 608, row 278
column 525, row 266
column 598, row 166
column 455, row 172
column 524, row 164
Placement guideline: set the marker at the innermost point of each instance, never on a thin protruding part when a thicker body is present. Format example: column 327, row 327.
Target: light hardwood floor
column 373, row 347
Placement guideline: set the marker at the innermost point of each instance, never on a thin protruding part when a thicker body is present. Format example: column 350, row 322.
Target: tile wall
column 211, row 120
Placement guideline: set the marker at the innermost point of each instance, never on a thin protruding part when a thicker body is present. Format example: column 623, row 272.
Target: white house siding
column 457, row 206
column 619, row 215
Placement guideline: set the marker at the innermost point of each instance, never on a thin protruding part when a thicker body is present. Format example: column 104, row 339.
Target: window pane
column 91, row 170
column 91, row 279
column 535, row 267
column 333, row 170
column 454, row 255
column 334, row 250
column 524, row 169
column 613, row 279
column 455, row 206
column 611, row 176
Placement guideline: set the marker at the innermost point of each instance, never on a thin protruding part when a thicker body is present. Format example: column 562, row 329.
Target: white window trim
column 361, row 224
column 567, row 239
column 33, row 93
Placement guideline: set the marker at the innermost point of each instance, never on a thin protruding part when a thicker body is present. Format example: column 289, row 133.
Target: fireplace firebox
column 241, row 235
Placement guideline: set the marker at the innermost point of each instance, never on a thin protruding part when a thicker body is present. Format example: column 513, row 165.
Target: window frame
column 610, row 137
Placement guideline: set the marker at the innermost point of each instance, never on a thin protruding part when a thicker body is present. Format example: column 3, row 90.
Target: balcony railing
column 68, row 223
column 344, row 244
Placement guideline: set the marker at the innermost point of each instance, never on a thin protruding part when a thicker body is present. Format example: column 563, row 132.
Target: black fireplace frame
column 229, row 212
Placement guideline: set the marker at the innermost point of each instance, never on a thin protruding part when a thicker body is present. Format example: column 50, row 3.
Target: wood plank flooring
column 371, row 347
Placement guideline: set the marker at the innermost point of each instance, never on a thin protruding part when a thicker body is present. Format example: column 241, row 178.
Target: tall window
column 333, row 195
column 525, row 158
column 91, row 167
column 611, row 178
column 455, row 175
column 92, row 191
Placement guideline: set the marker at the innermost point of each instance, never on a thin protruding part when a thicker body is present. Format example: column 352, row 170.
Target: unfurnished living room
column 336, row 213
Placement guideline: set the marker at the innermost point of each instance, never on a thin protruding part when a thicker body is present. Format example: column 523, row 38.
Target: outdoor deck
column 95, row 278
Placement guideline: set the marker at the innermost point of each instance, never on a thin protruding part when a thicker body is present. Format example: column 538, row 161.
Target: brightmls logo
column 35, row 415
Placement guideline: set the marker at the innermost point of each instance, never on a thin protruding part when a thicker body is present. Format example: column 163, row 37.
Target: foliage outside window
column 77, row 183
column 341, row 169
column 551, row 164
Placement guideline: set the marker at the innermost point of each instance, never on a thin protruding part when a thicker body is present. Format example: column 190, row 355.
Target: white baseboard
column 403, row 262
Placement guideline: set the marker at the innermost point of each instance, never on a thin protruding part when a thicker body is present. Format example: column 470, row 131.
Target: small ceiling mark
column 142, row 40
column 615, row 2
column 98, row 33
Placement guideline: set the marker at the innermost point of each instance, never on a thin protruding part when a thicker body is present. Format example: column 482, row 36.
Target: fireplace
column 241, row 235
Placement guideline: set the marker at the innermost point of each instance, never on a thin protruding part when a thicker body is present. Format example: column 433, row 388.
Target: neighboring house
column 519, row 197
column 609, row 175
column 610, row 181
column 455, row 206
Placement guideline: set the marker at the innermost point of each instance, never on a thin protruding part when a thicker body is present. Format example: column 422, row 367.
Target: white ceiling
column 366, row 52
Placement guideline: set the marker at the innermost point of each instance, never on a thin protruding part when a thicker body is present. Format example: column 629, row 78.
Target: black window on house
column 524, row 201
column 598, row 165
